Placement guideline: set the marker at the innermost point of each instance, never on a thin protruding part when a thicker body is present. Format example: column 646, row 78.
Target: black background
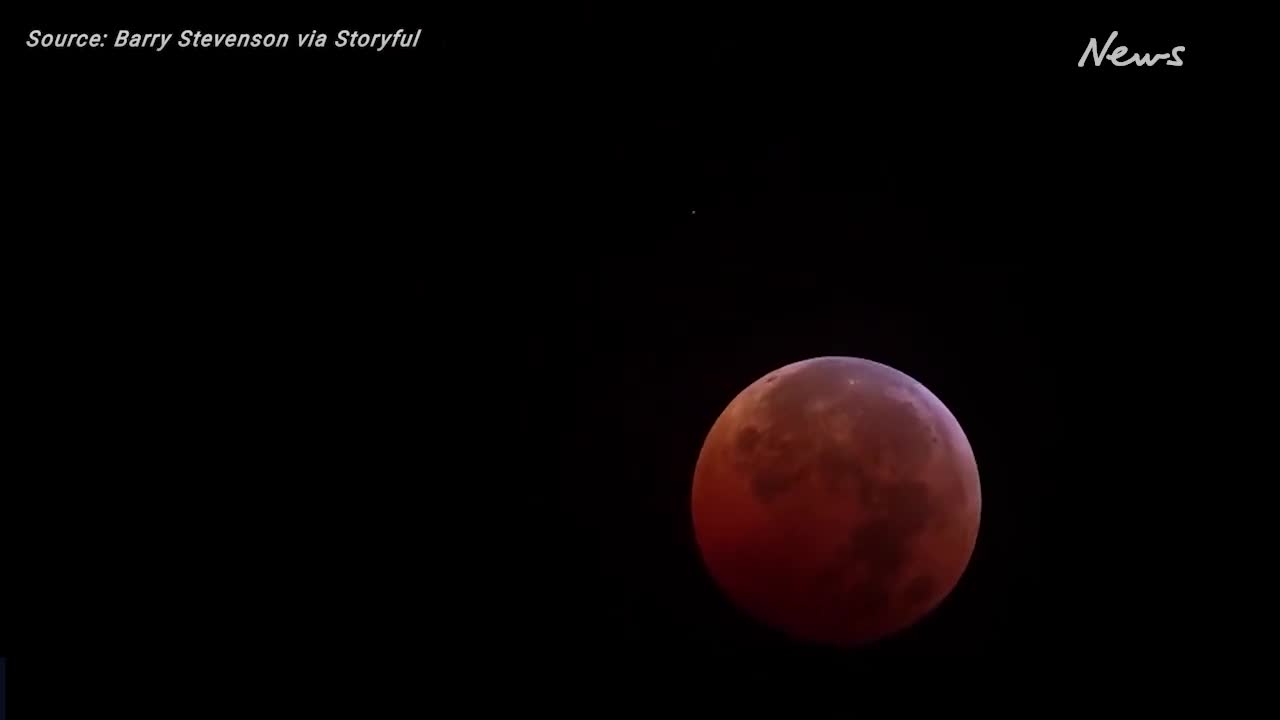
column 406, row 358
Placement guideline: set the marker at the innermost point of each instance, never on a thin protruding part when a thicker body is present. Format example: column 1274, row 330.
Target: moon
column 837, row 500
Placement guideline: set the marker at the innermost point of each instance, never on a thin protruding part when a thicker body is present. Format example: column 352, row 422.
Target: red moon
column 836, row 500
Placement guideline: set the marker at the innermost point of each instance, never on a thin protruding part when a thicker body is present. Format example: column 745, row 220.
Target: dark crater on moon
column 769, row 485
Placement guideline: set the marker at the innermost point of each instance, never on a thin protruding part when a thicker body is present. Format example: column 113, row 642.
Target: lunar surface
column 836, row 500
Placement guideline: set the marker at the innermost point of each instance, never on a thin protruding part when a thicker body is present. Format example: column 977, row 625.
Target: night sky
column 729, row 194
column 410, row 359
